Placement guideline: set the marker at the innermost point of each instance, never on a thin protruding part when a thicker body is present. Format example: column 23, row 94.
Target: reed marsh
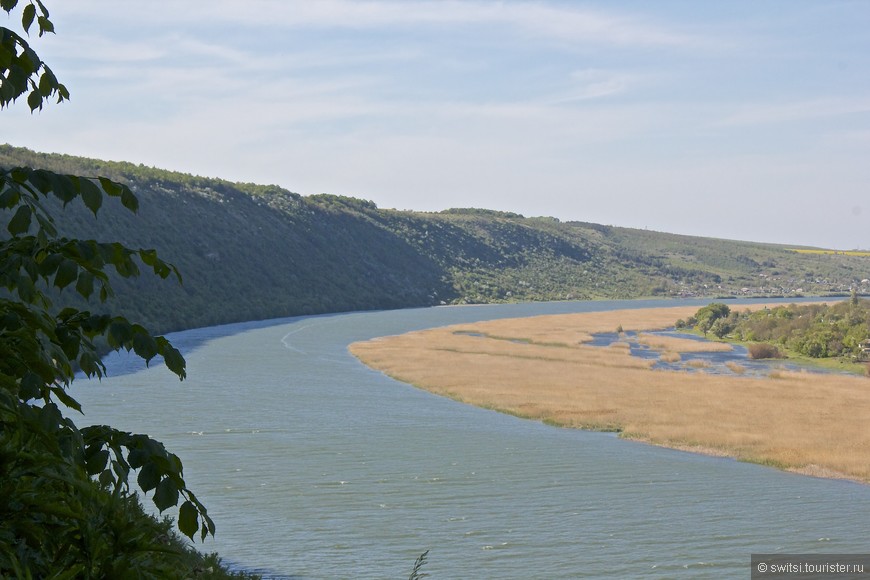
column 683, row 345
column 736, row 368
column 670, row 357
column 540, row 368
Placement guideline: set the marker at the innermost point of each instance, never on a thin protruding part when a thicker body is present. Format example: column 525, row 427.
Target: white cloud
column 590, row 84
column 566, row 22
column 786, row 112
column 542, row 107
column 856, row 140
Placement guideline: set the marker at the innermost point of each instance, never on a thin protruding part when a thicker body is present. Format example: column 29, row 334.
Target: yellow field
column 540, row 369
column 833, row 252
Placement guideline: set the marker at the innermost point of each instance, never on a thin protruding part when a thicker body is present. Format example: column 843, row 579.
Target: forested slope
column 249, row 251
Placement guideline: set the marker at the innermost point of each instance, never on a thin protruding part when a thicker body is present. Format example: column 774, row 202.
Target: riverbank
column 540, row 368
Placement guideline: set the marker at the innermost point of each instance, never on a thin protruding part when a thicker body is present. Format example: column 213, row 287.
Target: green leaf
column 91, row 195
column 149, row 477
column 27, row 17
column 10, row 198
column 21, row 175
column 129, row 200
column 62, row 186
column 62, row 93
column 6, row 54
column 46, row 83
column 30, row 386
column 144, row 345
column 49, row 264
column 121, row 469
column 110, row 187
column 188, row 519
column 45, row 25
column 166, row 494
column 8, row 5
column 209, row 526
column 67, row 272
column 34, row 100
column 26, row 289
column 91, row 364
column 137, row 458
column 48, row 77
column 174, row 361
column 66, row 399
column 67, row 313
column 96, row 324
column 85, row 284
column 46, row 224
column 20, row 222
column 149, row 257
column 119, row 333
column 97, row 462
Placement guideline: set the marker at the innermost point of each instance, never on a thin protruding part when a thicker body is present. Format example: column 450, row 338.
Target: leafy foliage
column 812, row 330
column 57, row 522
column 711, row 317
column 21, row 70
column 816, row 331
column 43, row 345
column 66, row 507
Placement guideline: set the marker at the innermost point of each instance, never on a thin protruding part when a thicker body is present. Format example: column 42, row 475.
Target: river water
column 315, row 466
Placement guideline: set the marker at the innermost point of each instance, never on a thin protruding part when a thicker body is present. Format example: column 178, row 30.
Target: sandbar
column 542, row 368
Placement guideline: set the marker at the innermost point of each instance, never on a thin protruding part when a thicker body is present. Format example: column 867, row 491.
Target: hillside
column 250, row 251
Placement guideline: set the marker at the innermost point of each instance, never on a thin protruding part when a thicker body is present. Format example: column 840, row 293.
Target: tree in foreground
column 67, row 509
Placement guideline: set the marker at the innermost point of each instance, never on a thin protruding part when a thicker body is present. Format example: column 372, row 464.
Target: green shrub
column 762, row 350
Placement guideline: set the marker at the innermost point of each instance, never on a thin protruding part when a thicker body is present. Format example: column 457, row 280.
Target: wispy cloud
column 566, row 22
column 589, row 84
column 786, row 112
column 615, row 112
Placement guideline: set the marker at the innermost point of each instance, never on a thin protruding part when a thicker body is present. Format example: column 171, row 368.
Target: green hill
column 250, row 251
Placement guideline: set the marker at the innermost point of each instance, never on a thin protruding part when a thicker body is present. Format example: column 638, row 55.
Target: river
column 315, row 466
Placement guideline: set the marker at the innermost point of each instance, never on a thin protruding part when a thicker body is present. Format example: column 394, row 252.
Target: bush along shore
column 832, row 335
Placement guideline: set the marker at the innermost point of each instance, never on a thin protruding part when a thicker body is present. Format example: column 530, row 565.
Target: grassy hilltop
column 251, row 251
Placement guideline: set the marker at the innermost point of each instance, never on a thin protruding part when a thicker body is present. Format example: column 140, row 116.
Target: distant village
column 775, row 286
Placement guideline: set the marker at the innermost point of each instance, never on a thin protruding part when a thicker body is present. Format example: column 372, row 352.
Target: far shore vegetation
column 336, row 253
column 831, row 335
column 541, row 368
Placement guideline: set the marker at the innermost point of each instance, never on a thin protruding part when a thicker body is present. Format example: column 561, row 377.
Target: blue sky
column 739, row 119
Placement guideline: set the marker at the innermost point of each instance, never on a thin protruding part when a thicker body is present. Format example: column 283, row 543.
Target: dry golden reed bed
column 539, row 368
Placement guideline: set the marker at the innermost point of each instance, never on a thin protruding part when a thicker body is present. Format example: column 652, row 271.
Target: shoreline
column 812, row 470
column 539, row 368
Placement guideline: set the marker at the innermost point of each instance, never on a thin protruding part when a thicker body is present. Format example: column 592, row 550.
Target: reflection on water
column 315, row 466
